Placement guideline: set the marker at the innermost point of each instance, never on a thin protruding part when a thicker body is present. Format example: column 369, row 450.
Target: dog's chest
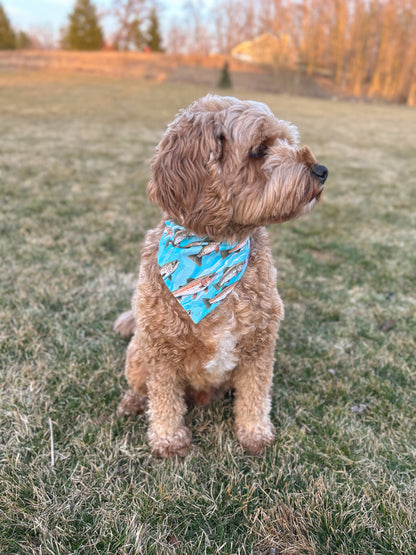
column 225, row 358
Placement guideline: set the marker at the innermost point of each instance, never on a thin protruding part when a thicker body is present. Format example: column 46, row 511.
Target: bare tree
column 406, row 83
column 176, row 39
column 396, row 54
column 234, row 22
column 337, row 46
column 128, row 16
column 367, row 47
column 356, row 67
column 199, row 32
column 316, row 32
column 386, row 50
column 276, row 17
column 44, row 37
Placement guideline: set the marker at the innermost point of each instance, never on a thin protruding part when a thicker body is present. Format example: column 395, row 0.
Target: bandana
column 199, row 272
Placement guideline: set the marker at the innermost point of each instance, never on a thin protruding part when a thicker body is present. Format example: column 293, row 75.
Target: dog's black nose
column 321, row 172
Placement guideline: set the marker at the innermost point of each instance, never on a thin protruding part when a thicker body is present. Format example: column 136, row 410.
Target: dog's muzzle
column 320, row 172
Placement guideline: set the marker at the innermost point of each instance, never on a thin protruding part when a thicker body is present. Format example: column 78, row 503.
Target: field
column 341, row 476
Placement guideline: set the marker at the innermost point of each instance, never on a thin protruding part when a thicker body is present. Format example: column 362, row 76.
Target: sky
column 53, row 14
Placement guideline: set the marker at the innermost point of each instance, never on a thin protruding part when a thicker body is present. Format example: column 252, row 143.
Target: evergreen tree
column 225, row 79
column 136, row 35
column 154, row 39
column 23, row 40
column 84, row 31
column 7, row 36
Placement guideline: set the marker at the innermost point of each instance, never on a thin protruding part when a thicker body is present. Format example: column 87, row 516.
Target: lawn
column 341, row 476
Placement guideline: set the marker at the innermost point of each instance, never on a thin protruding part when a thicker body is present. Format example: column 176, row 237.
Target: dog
column 224, row 169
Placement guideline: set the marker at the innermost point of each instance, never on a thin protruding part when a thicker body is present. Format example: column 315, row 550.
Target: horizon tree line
column 135, row 23
column 364, row 47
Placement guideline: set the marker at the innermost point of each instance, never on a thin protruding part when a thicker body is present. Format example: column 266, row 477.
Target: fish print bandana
column 199, row 272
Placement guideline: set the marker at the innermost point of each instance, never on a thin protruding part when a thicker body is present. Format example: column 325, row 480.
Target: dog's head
column 225, row 166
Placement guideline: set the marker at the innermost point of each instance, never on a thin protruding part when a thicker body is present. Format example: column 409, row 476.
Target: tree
column 154, row 39
column 7, row 35
column 43, row 37
column 23, row 40
column 337, row 39
column 84, row 31
column 225, row 79
column 233, row 22
column 136, row 35
column 128, row 15
column 176, row 39
column 199, row 35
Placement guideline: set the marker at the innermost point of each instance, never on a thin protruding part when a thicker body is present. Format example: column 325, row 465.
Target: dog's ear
column 186, row 180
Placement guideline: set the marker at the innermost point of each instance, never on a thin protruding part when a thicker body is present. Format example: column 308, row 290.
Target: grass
column 74, row 157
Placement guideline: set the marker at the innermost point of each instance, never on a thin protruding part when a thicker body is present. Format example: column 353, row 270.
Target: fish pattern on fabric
column 199, row 272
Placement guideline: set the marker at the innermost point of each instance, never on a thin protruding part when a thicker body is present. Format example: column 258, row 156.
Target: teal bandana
column 200, row 273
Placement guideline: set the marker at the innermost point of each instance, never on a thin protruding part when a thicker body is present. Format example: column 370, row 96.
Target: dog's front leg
column 168, row 435
column 252, row 381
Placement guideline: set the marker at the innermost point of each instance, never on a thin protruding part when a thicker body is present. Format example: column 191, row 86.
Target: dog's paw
column 125, row 324
column 131, row 404
column 256, row 440
column 177, row 443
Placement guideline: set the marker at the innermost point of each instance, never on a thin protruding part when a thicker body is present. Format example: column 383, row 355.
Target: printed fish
column 177, row 242
column 229, row 273
column 168, row 269
column 207, row 249
column 236, row 248
column 219, row 297
column 181, row 235
column 195, row 286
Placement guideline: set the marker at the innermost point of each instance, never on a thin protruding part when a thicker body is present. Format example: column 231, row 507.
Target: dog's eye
column 258, row 152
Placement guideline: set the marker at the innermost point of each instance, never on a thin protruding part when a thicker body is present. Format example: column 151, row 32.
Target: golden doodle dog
column 206, row 310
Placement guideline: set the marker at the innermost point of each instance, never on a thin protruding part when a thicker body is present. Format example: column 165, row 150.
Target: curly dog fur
column 224, row 169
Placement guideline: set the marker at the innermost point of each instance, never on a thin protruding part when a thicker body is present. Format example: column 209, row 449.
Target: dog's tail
column 125, row 324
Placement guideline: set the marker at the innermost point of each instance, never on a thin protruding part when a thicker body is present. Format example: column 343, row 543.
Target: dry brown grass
column 152, row 66
column 156, row 68
column 73, row 170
